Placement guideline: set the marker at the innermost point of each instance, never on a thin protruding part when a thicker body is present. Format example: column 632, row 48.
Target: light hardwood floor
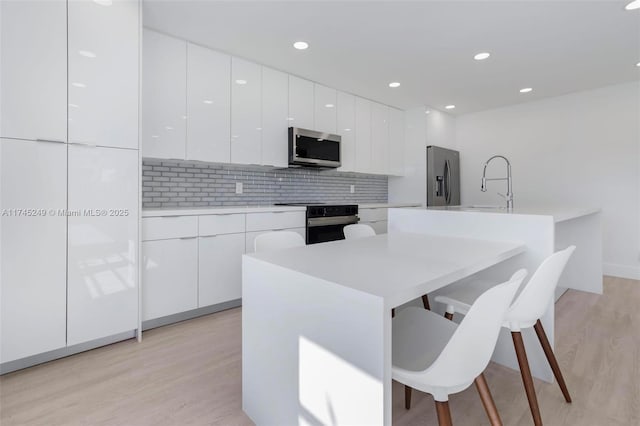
column 190, row 374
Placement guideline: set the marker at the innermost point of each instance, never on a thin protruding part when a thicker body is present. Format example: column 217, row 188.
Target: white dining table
column 316, row 321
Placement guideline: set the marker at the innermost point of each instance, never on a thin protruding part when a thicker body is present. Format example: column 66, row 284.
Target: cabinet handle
column 168, row 217
column 208, row 236
column 280, row 212
column 279, row 229
column 188, row 238
column 87, row 144
column 50, row 140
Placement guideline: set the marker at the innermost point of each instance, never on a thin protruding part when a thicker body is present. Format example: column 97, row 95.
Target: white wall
column 581, row 149
column 421, row 130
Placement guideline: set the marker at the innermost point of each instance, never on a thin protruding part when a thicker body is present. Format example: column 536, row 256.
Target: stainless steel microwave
column 313, row 149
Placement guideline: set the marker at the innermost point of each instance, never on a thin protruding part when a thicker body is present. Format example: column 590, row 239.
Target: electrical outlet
column 238, row 187
column 353, row 189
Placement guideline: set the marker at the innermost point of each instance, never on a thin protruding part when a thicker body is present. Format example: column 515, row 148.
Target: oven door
column 323, row 229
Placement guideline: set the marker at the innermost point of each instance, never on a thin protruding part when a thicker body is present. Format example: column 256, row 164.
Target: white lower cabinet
column 375, row 218
column 169, row 277
column 33, row 175
column 102, row 283
column 220, row 268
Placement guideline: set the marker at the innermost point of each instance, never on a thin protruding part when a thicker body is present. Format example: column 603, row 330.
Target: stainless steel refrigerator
column 443, row 176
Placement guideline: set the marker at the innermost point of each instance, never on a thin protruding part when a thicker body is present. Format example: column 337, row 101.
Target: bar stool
column 440, row 357
column 525, row 312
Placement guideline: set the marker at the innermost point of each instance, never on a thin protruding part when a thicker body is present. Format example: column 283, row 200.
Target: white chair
column 525, row 312
column 277, row 240
column 358, row 230
column 361, row 230
column 439, row 357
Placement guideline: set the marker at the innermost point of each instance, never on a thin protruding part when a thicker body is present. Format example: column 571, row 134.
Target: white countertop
column 397, row 267
column 559, row 214
column 252, row 209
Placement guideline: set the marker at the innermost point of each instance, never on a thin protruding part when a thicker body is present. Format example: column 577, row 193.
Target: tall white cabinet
column 301, row 103
column 275, row 104
column 346, row 126
column 69, row 238
column 33, row 175
column 379, row 138
column 363, row 135
column 33, row 61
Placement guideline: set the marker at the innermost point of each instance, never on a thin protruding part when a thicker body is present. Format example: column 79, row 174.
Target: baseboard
column 183, row 316
column 30, row 361
column 621, row 271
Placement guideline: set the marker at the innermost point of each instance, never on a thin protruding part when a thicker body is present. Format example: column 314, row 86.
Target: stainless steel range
column 325, row 221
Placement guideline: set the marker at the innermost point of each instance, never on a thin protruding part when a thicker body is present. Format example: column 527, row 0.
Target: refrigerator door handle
column 447, row 182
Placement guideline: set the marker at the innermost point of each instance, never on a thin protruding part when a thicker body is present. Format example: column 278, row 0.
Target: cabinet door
column 301, row 103
column 33, row 175
column 363, row 135
column 103, row 243
column 346, row 128
column 208, row 105
column 104, row 73
column 169, row 277
column 275, row 107
column 325, row 100
column 396, row 142
column 220, row 268
column 379, row 139
column 164, row 91
column 246, row 112
column 33, row 60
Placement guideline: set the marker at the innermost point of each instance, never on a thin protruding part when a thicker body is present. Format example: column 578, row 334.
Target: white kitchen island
column 543, row 231
column 316, row 321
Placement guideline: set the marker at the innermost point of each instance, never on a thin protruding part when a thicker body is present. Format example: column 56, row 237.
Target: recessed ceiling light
column 633, row 5
column 301, row 45
column 394, row 84
column 207, row 101
column 241, row 82
column 481, row 56
column 526, row 90
column 86, row 53
column 450, row 107
column 80, row 85
column 329, row 106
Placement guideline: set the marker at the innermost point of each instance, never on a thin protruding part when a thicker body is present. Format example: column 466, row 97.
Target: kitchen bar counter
column 543, row 230
column 316, row 321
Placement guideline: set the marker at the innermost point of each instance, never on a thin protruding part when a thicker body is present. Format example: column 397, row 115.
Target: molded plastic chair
column 525, row 312
column 439, row 357
column 277, row 240
column 358, row 231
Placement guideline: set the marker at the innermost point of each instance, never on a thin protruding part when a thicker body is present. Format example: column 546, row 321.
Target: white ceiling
column 555, row 47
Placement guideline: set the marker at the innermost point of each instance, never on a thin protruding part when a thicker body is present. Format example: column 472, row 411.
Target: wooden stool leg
column 487, row 400
column 521, row 354
column 448, row 316
column 542, row 336
column 444, row 415
column 425, row 302
column 407, row 397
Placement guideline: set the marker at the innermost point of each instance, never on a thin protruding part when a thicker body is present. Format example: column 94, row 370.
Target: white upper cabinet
column 103, row 73
column 33, row 60
column 363, row 135
column 102, row 283
column 396, row 142
column 346, row 106
column 246, row 112
column 325, row 116
column 164, row 76
column 301, row 104
column 379, row 138
column 275, row 104
column 33, row 175
column 208, row 105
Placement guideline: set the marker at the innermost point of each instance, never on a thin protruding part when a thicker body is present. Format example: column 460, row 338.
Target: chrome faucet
column 509, row 195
